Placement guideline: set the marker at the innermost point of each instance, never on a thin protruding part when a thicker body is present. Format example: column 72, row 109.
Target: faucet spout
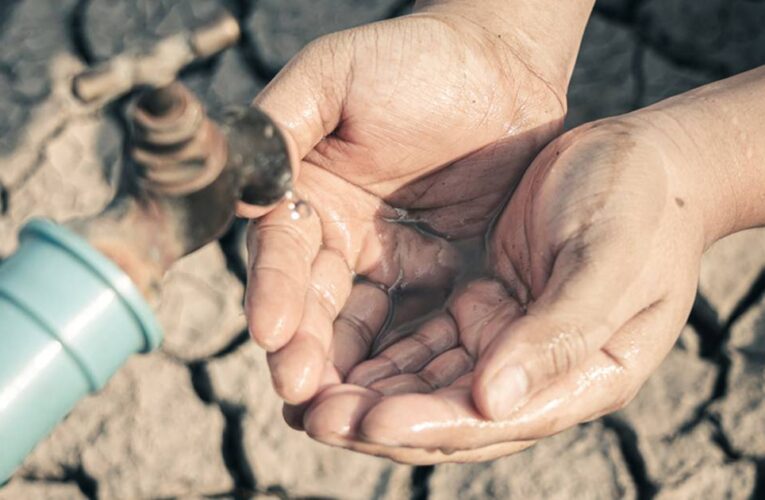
column 185, row 175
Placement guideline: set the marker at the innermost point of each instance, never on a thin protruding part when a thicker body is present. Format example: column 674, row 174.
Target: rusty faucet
column 185, row 173
column 75, row 299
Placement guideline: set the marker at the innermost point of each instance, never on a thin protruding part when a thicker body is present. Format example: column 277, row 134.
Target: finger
column 282, row 251
column 293, row 413
column 306, row 97
column 448, row 419
column 409, row 355
column 420, row 456
column 439, row 373
column 424, row 423
column 359, row 330
column 416, row 307
column 333, row 419
column 297, row 368
column 303, row 115
column 481, row 310
column 410, row 310
column 588, row 297
column 364, row 315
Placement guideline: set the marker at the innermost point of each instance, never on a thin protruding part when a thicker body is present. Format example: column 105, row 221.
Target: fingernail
column 506, row 391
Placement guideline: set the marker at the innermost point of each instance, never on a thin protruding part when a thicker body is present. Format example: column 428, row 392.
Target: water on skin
column 299, row 209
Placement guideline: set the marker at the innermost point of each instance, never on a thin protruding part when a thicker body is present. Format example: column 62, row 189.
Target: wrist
column 716, row 133
column 544, row 34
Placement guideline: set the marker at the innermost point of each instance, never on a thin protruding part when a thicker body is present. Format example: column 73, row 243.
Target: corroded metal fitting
column 185, row 174
column 177, row 148
column 160, row 65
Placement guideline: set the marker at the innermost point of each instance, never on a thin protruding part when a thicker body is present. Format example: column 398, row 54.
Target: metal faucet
column 184, row 172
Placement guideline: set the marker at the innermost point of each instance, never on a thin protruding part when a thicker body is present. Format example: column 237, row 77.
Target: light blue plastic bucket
column 69, row 318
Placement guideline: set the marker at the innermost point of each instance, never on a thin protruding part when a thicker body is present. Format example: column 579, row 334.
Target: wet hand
column 428, row 119
column 431, row 112
column 593, row 266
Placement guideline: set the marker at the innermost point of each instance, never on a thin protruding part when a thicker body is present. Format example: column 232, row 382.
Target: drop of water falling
column 302, row 210
column 299, row 209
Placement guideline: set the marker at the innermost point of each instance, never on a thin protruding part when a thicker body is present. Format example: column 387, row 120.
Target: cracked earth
column 198, row 418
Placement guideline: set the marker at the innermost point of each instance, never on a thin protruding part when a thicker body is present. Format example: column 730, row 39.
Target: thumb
column 306, row 99
column 584, row 302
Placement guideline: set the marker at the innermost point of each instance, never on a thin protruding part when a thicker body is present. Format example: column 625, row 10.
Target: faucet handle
column 160, row 65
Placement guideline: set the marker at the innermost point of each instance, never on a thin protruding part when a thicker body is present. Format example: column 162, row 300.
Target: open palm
column 593, row 268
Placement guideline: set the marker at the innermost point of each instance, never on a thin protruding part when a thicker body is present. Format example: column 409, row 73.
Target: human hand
column 428, row 119
column 595, row 263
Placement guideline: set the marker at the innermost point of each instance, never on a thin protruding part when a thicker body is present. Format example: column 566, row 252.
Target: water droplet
column 299, row 209
column 303, row 209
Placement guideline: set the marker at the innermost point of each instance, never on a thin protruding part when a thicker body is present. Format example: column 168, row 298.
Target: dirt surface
column 199, row 419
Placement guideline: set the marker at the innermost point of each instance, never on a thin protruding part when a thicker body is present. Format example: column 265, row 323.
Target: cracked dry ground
column 198, row 418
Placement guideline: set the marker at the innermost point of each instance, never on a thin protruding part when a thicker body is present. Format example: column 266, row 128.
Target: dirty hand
column 594, row 268
column 429, row 119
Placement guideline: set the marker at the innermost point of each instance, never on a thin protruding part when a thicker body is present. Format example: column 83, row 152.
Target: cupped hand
column 593, row 266
column 427, row 120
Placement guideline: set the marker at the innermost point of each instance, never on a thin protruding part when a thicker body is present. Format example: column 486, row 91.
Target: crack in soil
column 628, row 443
column 421, row 482
column 4, row 200
column 229, row 244
column 78, row 476
column 714, row 336
column 78, row 35
column 233, row 448
column 87, row 484
column 40, row 158
column 752, row 297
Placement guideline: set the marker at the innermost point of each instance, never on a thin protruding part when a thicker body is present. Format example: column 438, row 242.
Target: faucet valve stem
column 177, row 148
column 158, row 66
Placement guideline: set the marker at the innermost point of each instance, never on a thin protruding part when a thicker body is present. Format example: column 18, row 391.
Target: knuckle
column 358, row 326
column 284, row 280
column 325, row 300
column 565, row 350
column 287, row 233
column 319, row 47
